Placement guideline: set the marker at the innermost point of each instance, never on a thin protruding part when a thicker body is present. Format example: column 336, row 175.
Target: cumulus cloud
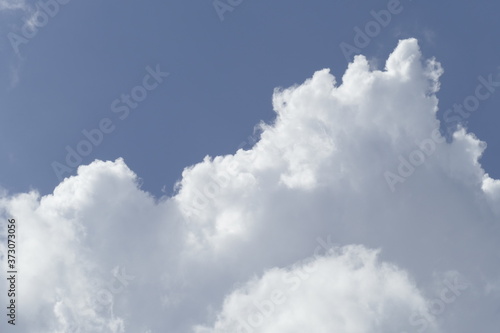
column 347, row 290
column 400, row 226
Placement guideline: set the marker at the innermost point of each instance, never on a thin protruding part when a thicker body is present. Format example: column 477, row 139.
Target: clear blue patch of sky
column 222, row 75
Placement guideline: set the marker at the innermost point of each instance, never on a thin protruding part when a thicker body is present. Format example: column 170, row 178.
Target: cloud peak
column 239, row 224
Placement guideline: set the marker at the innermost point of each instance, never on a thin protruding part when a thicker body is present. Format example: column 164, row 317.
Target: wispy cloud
column 13, row 5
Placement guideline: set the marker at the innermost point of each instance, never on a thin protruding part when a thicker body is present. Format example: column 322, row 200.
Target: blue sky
column 222, row 74
column 363, row 199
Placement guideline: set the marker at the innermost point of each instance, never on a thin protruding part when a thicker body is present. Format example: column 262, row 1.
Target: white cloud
column 12, row 4
column 318, row 170
column 346, row 291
